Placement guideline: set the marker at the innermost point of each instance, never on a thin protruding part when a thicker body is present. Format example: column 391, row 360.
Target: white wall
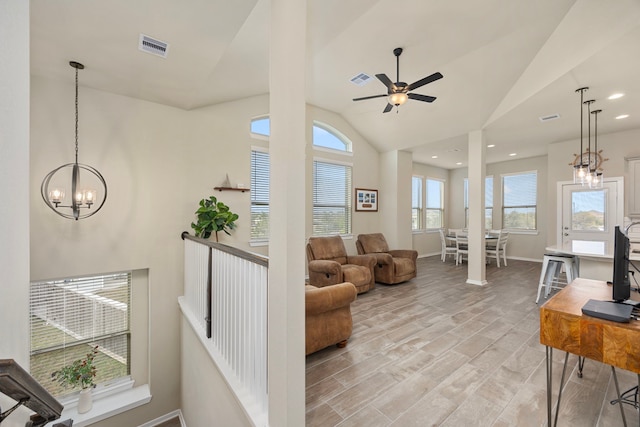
column 14, row 190
column 139, row 147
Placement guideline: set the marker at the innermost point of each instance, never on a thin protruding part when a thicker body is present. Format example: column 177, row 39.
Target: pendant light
column 597, row 177
column 589, row 173
column 82, row 198
column 581, row 169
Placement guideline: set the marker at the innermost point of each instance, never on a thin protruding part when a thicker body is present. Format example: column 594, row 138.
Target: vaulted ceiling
column 506, row 63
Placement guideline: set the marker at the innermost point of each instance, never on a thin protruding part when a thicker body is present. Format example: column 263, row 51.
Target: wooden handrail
column 16, row 383
column 249, row 256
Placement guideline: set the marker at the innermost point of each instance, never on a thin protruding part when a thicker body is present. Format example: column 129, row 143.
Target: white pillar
column 286, row 368
column 395, row 198
column 477, row 171
column 14, row 181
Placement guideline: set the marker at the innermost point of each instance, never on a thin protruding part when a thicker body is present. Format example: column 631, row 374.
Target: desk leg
column 580, row 366
column 550, row 388
column 619, row 400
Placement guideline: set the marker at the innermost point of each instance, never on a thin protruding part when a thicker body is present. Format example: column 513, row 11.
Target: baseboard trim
column 165, row 417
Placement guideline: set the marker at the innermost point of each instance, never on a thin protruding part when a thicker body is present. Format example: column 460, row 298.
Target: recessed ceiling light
column 622, row 116
column 513, row 154
column 491, row 145
column 458, row 163
column 434, row 157
column 616, row 96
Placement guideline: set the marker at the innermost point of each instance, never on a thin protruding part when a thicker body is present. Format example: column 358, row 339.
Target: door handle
column 566, row 234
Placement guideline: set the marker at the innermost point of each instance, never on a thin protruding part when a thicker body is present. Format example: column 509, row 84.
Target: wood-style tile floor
column 436, row 351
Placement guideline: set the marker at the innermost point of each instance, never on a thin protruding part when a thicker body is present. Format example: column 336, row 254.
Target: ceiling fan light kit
column 399, row 92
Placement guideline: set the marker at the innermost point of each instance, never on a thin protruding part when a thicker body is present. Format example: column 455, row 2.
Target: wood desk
column 563, row 326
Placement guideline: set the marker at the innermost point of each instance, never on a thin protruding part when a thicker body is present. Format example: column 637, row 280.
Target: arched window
column 261, row 126
column 326, row 137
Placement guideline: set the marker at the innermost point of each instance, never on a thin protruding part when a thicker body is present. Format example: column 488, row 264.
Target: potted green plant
column 80, row 373
column 213, row 216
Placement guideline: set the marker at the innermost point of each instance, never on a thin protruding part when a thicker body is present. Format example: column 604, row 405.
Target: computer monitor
column 621, row 284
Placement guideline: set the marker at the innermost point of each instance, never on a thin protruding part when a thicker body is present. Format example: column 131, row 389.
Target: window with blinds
column 331, row 198
column 435, row 203
column 488, row 202
column 416, row 203
column 69, row 317
column 519, row 195
column 259, row 195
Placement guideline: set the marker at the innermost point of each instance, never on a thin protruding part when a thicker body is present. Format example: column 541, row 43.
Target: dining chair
column 448, row 246
column 462, row 248
column 498, row 248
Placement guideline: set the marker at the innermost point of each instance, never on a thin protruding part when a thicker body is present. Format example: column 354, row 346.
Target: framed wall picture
column 366, row 200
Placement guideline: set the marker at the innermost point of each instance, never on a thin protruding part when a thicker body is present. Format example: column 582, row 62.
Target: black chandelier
column 82, row 198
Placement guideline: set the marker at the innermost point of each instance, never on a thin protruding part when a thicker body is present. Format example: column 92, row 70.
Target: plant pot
column 85, row 401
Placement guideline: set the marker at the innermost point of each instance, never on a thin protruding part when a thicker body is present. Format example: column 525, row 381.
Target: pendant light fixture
column 589, row 173
column 596, row 175
column 581, row 169
column 82, row 198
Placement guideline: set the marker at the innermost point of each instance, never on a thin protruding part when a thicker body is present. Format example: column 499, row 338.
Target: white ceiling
column 505, row 63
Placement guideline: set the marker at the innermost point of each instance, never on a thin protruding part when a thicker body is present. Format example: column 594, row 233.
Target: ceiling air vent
column 549, row 117
column 361, row 79
column 153, row 46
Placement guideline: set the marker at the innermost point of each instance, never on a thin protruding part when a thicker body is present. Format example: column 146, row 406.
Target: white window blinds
column 71, row 316
column 331, row 198
column 259, row 195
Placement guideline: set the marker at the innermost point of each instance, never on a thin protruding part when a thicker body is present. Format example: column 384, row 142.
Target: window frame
column 535, row 206
column 257, row 135
column 348, row 150
column 420, row 198
column 254, row 194
column 57, row 307
column 347, row 207
column 427, row 209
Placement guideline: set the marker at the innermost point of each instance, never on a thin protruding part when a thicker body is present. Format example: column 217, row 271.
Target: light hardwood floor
column 436, row 351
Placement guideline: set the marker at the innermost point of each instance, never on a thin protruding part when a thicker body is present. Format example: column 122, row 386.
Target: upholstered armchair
column 392, row 266
column 328, row 315
column 329, row 264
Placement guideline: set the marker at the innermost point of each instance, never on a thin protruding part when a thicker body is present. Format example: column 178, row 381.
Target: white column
column 14, row 181
column 286, row 366
column 395, row 198
column 477, row 171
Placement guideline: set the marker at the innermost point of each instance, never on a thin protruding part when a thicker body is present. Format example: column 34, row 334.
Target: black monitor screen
column 621, row 285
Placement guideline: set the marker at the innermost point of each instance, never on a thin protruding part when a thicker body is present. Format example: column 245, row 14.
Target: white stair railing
column 225, row 300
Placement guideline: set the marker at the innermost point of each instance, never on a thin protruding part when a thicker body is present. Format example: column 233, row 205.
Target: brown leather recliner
column 392, row 266
column 328, row 315
column 329, row 264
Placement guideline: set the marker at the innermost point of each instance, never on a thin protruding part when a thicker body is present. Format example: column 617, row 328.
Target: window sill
column 105, row 406
column 525, row 232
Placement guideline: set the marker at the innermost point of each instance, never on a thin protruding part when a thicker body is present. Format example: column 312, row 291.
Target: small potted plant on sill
column 80, row 373
column 213, row 216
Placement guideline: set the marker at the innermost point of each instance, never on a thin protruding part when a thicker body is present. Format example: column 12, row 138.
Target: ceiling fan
column 398, row 92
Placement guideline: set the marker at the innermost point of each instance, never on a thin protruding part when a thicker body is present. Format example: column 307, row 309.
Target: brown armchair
column 392, row 266
column 329, row 264
column 328, row 316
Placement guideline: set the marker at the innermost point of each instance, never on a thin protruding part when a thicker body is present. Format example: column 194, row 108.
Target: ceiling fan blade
column 433, row 77
column 418, row 97
column 387, row 108
column 370, row 97
column 386, row 81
